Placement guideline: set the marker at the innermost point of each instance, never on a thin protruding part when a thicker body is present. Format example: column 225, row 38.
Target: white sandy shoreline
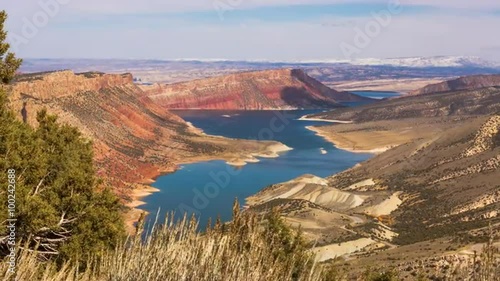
column 328, row 138
column 305, row 118
column 272, row 151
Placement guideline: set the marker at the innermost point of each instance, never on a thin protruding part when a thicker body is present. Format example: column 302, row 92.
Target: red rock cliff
column 134, row 139
column 269, row 89
column 57, row 84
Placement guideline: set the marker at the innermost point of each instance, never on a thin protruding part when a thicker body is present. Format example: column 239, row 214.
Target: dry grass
column 247, row 249
column 483, row 267
column 244, row 250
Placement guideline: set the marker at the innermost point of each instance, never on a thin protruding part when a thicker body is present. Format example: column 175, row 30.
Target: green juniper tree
column 60, row 207
column 8, row 61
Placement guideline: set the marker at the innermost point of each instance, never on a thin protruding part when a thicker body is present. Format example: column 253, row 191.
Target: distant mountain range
column 436, row 61
column 441, row 61
column 41, row 64
column 329, row 72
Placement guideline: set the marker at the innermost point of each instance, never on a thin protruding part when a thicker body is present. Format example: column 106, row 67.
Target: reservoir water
column 377, row 94
column 208, row 189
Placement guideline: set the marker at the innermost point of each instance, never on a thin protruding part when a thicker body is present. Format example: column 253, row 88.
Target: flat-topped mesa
column 49, row 85
column 256, row 90
column 473, row 82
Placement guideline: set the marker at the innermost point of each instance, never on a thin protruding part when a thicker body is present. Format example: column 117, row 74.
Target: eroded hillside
column 430, row 194
column 459, row 103
column 442, row 185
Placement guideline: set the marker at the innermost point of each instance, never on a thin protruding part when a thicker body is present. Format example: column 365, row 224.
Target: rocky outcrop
column 269, row 89
column 463, row 83
column 45, row 86
column 485, row 137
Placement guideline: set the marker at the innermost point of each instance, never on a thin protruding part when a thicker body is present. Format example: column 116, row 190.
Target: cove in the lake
column 377, row 94
column 208, row 189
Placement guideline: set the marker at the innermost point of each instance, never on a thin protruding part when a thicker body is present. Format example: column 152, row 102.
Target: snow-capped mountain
column 419, row 62
column 441, row 61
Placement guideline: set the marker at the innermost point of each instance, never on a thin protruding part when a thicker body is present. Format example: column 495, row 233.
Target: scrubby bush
column 248, row 248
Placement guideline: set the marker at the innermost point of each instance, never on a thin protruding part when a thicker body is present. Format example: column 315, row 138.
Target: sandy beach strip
column 132, row 215
column 271, row 151
column 305, row 118
column 350, row 144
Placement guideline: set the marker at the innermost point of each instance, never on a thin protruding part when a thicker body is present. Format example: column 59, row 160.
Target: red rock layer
column 269, row 89
column 134, row 139
column 64, row 83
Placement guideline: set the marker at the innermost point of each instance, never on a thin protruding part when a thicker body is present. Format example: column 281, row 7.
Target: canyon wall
column 134, row 139
column 269, row 89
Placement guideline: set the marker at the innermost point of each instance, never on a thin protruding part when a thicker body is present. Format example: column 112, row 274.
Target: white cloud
column 405, row 36
column 165, row 6
column 425, row 35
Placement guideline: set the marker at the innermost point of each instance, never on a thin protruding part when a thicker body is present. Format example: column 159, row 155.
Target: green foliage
column 8, row 61
column 292, row 242
column 57, row 197
column 241, row 251
column 59, row 207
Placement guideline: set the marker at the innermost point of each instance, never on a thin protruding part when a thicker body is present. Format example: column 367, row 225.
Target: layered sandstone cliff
column 126, row 131
column 473, row 82
column 134, row 139
column 50, row 85
column 269, row 89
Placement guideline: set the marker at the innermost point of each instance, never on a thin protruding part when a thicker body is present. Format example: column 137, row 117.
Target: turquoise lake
column 208, row 189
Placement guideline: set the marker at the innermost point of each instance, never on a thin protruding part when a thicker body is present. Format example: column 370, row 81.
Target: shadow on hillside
column 301, row 98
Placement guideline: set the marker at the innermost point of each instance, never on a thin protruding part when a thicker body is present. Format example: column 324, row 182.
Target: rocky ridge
column 257, row 90
column 50, row 85
column 484, row 101
column 473, row 82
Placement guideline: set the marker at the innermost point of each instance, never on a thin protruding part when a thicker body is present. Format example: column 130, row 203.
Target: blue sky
column 253, row 29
